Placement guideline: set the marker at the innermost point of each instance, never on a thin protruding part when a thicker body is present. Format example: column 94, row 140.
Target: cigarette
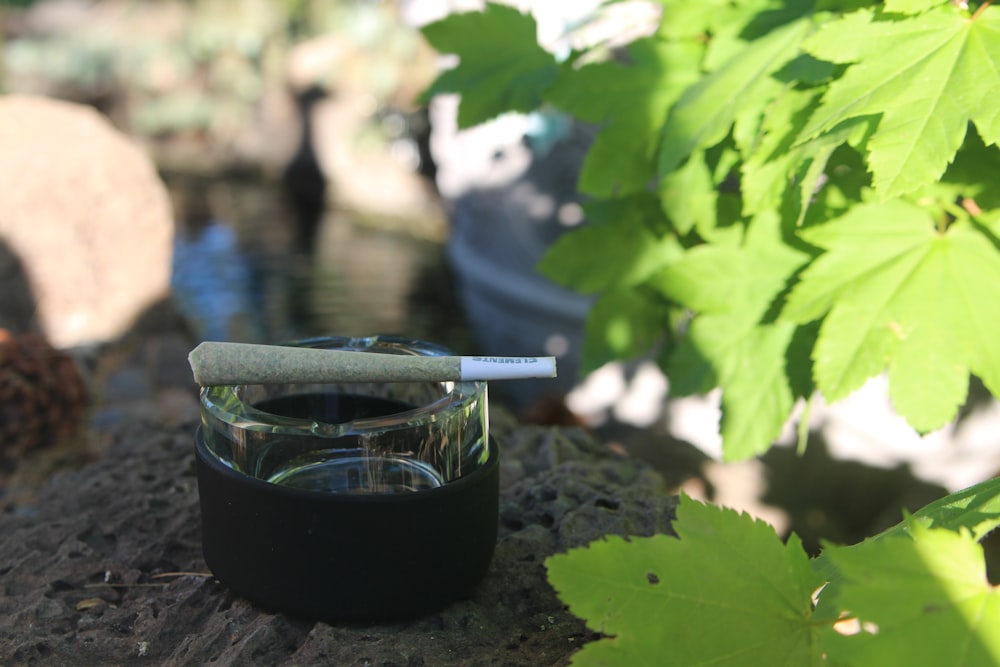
column 215, row 363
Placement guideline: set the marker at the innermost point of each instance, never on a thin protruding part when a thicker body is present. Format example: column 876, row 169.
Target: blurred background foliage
column 214, row 73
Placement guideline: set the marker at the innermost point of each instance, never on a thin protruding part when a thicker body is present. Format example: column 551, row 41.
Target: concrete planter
column 512, row 308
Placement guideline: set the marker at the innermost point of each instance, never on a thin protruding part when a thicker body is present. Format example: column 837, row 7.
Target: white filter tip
column 507, row 368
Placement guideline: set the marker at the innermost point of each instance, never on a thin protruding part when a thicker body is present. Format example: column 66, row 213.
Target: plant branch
column 980, row 9
column 955, row 211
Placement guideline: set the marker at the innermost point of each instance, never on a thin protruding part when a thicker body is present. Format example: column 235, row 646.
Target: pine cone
column 42, row 396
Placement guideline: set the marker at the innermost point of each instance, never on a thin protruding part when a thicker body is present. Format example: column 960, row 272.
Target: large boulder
column 84, row 216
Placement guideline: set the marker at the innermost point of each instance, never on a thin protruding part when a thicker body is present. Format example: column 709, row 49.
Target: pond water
column 238, row 276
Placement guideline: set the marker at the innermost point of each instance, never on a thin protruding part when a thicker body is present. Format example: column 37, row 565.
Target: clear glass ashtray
column 349, row 501
column 351, row 437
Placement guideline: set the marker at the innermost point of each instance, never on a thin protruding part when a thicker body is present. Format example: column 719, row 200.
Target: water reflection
column 363, row 280
column 211, row 281
column 238, row 274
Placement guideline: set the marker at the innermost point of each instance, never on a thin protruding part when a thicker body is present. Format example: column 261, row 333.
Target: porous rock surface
column 105, row 566
column 86, row 227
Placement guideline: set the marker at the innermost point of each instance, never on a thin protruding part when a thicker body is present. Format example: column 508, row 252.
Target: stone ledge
column 106, row 567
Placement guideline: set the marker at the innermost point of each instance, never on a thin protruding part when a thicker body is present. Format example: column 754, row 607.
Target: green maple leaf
column 975, row 509
column 705, row 112
column 753, row 365
column 629, row 101
column 728, row 592
column 728, row 343
column 927, row 76
column 924, row 600
column 777, row 170
column 502, row 68
column 771, row 161
column 692, row 200
column 727, row 278
column 732, row 26
column 689, row 196
column 617, row 247
column 686, row 20
column 911, row 6
column 623, row 323
column 964, row 178
column 899, row 294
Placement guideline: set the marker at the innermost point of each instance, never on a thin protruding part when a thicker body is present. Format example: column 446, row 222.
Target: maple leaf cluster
column 729, row 592
column 784, row 197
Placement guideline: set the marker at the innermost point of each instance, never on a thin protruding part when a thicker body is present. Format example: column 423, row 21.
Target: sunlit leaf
column 622, row 324
column 927, row 76
column 727, row 593
column 704, row 114
column 629, row 102
column 912, row 6
column 771, row 161
column 750, row 363
column 921, row 600
column 689, row 196
column 491, row 85
column 728, row 343
column 617, row 247
column 901, row 296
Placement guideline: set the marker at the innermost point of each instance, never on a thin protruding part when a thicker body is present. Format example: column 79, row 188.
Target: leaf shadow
column 840, row 501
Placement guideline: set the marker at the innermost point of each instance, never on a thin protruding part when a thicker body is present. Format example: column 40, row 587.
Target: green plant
column 785, row 199
column 728, row 592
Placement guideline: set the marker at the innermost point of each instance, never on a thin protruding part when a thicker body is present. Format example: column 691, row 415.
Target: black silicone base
column 343, row 557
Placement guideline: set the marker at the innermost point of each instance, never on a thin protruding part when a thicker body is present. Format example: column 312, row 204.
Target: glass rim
column 218, row 401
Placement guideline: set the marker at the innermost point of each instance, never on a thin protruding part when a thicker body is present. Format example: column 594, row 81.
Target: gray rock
column 84, row 218
column 106, row 567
